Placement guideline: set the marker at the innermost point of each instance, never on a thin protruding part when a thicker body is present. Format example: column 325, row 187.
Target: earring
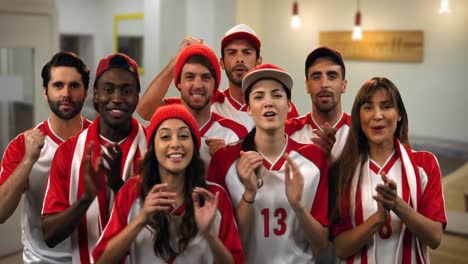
column 399, row 118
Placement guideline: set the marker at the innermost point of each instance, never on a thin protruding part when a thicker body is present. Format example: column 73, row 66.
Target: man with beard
column 240, row 52
column 197, row 75
column 79, row 195
column 325, row 82
column 28, row 157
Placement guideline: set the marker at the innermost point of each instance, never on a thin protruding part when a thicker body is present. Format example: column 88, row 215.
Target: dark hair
column 247, row 91
column 67, row 59
column 202, row 60
column 194, row 177
column 331, row 56
column 357, row 147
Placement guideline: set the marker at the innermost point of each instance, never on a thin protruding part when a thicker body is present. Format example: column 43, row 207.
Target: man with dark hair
column 325, row 81
column 28, row 157
column 327, row 125
column 79, row 195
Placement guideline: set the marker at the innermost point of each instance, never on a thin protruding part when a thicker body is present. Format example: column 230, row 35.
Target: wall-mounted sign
column 407, row 45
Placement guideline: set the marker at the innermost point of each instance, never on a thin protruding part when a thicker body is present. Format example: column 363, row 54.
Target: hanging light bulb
column 444, row 7
column 295, row 19
column 357, row 30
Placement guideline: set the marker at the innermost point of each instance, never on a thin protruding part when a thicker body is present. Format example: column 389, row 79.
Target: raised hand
column 387, row 193
column 293, row 183
column 325, row 138
column 112, row 167
column 157, row 200
column 214, row 144
column 189, row 40
column 205, row 215
column 248, row 162
column 33, row 144
column 92, row 180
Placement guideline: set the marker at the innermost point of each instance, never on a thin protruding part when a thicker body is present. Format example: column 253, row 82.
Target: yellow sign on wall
column 379, row 45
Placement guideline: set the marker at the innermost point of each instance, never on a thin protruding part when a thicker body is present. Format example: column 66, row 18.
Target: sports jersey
column 301, row 130
column 219, row 127
column 418, row 179
column 216, row 127
column 225, row 105
column 126, row 208
column 276, row 236
column 35, row 250
column 66, row 184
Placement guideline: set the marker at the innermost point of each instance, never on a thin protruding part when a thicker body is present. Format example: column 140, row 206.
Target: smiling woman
column 386, row 192
column 193, row 219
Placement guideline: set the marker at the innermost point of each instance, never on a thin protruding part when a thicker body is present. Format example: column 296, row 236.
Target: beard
column 65, row 115
column 233, row 76
column 326, row 108
column 236, row 81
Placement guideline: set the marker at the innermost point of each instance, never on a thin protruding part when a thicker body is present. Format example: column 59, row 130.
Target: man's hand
column 92, row 180
column 325, row 138
column 33, row 144
column 214, row 144
column 112, row 167
column 189, row 40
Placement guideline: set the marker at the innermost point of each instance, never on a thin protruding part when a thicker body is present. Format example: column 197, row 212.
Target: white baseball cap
column 241, row 31
column 267, row 71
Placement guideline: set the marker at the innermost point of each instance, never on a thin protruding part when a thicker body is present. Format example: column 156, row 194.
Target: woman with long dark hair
column 170, row 213
column 278, row 186
column 389, row 205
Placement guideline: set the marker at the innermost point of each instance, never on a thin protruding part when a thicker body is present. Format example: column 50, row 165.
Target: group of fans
column 225, row 176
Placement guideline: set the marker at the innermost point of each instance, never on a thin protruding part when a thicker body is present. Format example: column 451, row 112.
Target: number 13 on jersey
column 279, row 226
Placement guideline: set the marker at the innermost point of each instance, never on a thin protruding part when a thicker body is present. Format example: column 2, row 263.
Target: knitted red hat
column 197, row 49
column 173, row 111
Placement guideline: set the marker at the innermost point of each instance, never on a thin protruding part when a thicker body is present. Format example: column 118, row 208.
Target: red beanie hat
column 197, row 49
column 173, row 111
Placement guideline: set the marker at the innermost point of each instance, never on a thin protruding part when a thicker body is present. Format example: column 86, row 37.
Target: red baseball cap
column 117, row 60
column 241, row 31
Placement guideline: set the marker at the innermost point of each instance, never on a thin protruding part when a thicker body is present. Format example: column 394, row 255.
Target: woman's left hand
column 294, row 183
column 205, row 215
column 388, row 193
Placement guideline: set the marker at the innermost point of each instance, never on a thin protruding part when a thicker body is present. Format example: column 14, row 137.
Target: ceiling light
column 295, row 19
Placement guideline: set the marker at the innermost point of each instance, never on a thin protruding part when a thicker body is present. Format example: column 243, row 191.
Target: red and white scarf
column 90, row 227
column 361, row 209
